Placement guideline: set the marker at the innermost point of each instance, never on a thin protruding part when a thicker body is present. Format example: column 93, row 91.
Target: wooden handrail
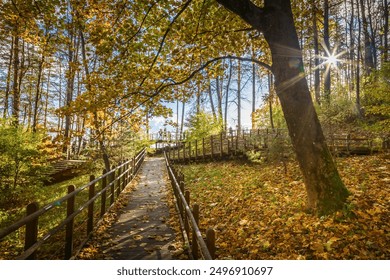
column 234, row 143
column 188, row 213
column 132, row 165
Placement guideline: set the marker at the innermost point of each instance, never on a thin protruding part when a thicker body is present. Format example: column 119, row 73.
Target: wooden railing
column 79, row 219
column 237, row 143
column 189, row 219
column 224, row 144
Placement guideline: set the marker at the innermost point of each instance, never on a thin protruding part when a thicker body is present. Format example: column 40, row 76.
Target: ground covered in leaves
column 258, row 210
column 102, row 238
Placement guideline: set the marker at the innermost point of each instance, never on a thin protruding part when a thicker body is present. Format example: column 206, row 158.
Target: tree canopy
column 91, row 73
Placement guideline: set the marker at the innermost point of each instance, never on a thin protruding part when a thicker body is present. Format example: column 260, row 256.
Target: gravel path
column 141, row 232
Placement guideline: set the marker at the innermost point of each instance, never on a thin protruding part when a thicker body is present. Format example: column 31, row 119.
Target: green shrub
column 202, row 125
column 23, row 164
column 376, row 99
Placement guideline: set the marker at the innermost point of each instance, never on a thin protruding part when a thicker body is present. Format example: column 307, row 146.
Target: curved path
column 141, row 232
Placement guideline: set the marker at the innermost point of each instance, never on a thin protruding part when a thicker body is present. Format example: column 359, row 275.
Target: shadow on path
column 141, row 232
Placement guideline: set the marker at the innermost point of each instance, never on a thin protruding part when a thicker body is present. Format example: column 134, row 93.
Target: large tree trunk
column 325, row 189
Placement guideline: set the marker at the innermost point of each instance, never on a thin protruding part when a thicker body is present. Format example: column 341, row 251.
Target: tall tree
column 317, row 88
column 16, row 79
column 239, row 97
column 325, row 189
column 328, row 52
column 368, row 57
column 386, row 31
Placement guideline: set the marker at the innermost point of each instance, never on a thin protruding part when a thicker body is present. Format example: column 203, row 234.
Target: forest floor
column 258, row 210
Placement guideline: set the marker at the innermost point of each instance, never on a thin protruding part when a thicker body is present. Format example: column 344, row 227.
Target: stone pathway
column 141, row 232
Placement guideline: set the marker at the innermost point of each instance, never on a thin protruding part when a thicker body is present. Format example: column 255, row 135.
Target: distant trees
column 89, row 73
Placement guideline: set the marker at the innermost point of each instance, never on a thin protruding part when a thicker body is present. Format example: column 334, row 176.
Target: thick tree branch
column 262, row 64
column 248, row 11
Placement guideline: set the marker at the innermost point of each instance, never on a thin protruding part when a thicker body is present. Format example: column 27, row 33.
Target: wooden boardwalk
column 231, row 144
column 141, row 232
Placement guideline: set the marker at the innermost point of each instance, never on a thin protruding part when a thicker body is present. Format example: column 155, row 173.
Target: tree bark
column 219, row 98
column 8, row 83
column 386, row 31
column 212, row 102
column 37, row 94
column 270, row 99
column 227, row 94
column 358, row 106
column 325, row 190
column 316, row 56
column 239, row 97
column 327, row 81
column 253, row 90
column 101, row 134
column 15, row 86
column 368, row 58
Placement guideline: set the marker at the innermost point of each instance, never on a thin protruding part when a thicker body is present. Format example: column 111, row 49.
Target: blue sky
column 157, row 123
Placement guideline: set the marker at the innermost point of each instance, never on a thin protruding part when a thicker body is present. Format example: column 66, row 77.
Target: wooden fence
column 238, row 143
column 79, row 217
column 189, row 219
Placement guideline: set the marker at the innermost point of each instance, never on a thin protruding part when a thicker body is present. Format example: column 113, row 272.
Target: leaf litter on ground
column 258, row 211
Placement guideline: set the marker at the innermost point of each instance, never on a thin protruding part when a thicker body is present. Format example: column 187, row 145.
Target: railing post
column 182, row 208
column 104, row 195
column 187, row 224
column 69, row 226
column 194, row 249
column 117, row 184
column 112, row 187
column 31, row 229
column 123, row 173
column 133, row 171
column 91, row 194
column 210, row 241
column 127, row 173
